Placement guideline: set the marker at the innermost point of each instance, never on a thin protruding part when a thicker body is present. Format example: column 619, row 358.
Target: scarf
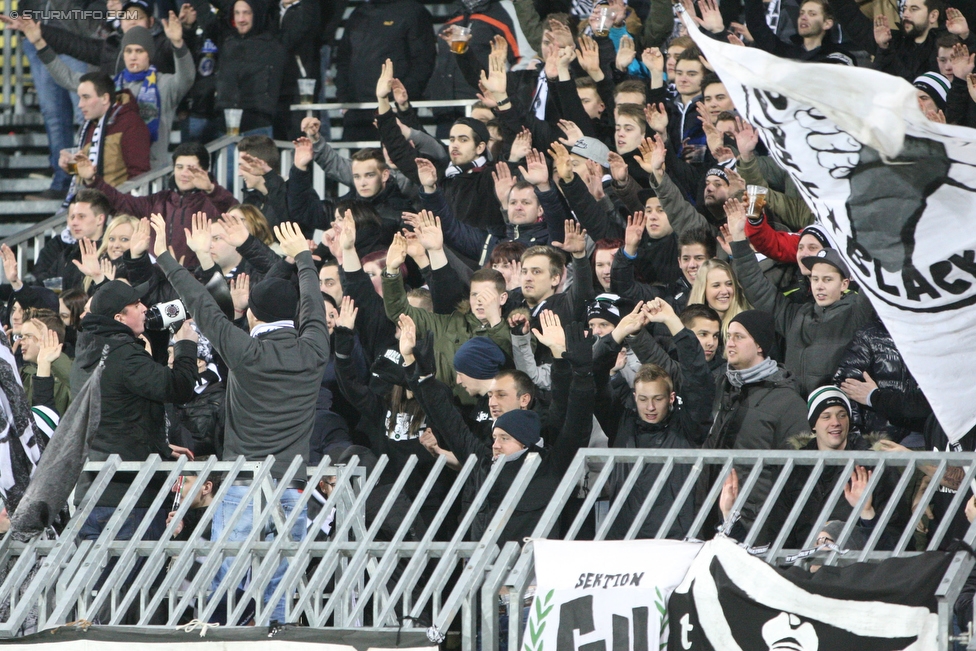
column 270, row 327
column 148, row 97
column 476, row 164
column 20, row 447
column 757, row 373
column 93, row 153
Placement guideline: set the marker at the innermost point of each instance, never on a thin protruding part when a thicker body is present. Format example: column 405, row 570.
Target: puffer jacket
column 815, row 336
column 176, row 207
column 450, row 331
column 124, row 149
column 763, row 415
column 898, row 406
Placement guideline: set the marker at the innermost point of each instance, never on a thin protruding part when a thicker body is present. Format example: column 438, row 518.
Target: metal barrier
column 375, row 569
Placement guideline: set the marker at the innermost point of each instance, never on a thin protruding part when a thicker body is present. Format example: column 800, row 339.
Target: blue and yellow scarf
column 148, row 97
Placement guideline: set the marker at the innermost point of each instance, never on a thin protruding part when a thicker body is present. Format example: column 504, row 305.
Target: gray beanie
column 140, row 36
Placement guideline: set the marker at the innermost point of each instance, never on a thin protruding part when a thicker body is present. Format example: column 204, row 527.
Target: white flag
column 604, row 595
column 895, row 192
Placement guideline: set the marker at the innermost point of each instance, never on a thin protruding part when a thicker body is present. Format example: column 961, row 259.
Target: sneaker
column 51, row 194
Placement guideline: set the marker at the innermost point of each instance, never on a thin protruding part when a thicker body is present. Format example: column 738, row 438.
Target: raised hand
column 199, row 238
column 961, row 60
column 51, row 346
column 636, row 224
column 10, row 270
column 174, row 30
column 657, row 118
column 882, row 31
column 736, row 214
column 626, row 52
column 653, row 58
column 159, row 227
column 856, row 487
column 139, row 242
column 396, row 255
column 573, row 132
column 347, row 232
column 588, row 55
column 201, row 180
column 574, row 241
column 660, row 311
column 86, row 171
column 427, row 174
column 107, row 268
column 303, row 153
column 291, row 238
column 518, row 322
column 347, row 313
column 742, row 33
column 311, row 127
column 956, row 23
column 400, row 95
column 618, row 168
column 630, row 324
column 89, row 260
column 188, row 15
column 496, row 80
column 746, row 139
column 384, row 84
column 408, row 338
column 430, row 234
column 711, row 16
column 859, row 390
column 504, row 182
column 552, row 335
column 730, row 492
column 415, row 249
column 562, row 162
column 240, row 291
column 535, row 171
column 521, row 145
column 235, row 230
column 652, row 154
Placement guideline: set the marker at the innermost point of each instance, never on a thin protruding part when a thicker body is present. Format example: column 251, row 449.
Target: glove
column 423, row 352
column 579, row 348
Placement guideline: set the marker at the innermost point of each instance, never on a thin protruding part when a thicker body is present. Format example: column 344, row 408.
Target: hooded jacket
column 815, row 336
column 251, row 70
column 134, row 391
column 297, row 29
column 176, row 207
column 400, row 30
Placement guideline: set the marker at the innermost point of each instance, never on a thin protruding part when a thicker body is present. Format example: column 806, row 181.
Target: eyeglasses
column 823, row 540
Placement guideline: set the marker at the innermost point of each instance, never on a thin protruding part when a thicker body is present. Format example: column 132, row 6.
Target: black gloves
column 423, row 352
column 579, row 348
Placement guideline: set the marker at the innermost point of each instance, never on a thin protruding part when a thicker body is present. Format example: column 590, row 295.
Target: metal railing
column 380, row 567
column 13, row 66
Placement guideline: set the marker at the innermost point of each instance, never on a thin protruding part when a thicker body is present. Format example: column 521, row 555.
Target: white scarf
column 454, row 170
column 262, row 328
column 96, row 144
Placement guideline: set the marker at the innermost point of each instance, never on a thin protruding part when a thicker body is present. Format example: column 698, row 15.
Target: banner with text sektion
column 895, row 192
column 604, row 595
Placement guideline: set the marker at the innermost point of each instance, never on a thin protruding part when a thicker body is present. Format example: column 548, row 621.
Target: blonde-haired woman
column 717, row 287
column 115, row 242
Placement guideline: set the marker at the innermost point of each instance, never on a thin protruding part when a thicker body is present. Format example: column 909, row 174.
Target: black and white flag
column 731, row 601
column 895, row 192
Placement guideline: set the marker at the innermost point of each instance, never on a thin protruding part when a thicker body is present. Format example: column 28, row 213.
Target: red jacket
column 772, row 243
column 124, row 151
column 176, row 207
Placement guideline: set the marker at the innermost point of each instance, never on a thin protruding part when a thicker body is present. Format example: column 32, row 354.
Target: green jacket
column 788, row 207
column 60, row 371
column 450, row 330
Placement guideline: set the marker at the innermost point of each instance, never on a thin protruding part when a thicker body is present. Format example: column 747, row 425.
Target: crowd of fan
column 580, row 266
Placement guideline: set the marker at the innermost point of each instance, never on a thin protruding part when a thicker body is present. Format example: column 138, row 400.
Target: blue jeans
column 199, row 130
column 232, row 152
column 59, row 107
column 235, row 494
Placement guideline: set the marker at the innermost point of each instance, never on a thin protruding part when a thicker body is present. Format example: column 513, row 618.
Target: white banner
column 895, row 192
column 595, row 596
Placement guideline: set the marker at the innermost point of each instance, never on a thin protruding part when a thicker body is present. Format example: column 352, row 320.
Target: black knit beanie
column 273, row 299
column 760, row 327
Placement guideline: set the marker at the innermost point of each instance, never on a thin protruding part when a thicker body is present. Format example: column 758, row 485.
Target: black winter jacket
column 298, row 32
column 134, row 391
column 764, row 415
column 251, row 70
column 400, row 30
column 683, row 427
column 898, row 406
column 571, row 410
